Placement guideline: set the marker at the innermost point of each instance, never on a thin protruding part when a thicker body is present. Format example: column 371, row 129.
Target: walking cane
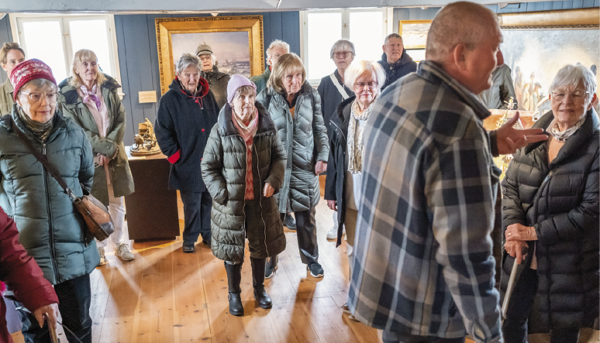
column 52, row 329
column 511, row 284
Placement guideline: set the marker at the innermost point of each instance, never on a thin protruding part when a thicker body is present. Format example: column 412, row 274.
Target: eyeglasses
column 343, row 54
column 576, row 96
column 362, row 85
column 34, row 98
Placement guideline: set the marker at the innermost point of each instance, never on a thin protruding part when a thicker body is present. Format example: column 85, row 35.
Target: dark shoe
column 234, row 277
column 271, row 266
column 188, row 249
column 315, row 270
column 206, row 241
column 235, row 304
column 289, row 222
column 258, row 281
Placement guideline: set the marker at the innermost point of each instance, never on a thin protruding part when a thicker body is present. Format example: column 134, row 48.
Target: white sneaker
column 332, row 234
column 103, row 260
column 123, row 252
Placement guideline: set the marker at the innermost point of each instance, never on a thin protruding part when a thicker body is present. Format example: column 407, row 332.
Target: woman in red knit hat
column 50, row 229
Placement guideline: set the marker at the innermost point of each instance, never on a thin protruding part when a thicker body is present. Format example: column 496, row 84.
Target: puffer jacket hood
column 304, row 138
column 560, row 201
column 50, row 228
column 224, row 172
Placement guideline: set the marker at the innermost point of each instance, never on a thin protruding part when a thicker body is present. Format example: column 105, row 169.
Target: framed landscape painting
column 236, row 42
column 414, row 33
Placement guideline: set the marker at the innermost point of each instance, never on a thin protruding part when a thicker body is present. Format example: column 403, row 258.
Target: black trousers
column 306, row 231
column 196, row 212
column 395, row 337
column 514, row 327
column 75, row 297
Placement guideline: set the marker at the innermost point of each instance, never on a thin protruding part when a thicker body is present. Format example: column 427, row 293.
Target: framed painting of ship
column 236, row 42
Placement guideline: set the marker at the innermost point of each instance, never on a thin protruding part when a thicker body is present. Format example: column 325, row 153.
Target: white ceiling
column 204, row 5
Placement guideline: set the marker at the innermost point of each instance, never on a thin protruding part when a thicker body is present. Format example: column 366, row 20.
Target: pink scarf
column 87, row 95
column 247, row 132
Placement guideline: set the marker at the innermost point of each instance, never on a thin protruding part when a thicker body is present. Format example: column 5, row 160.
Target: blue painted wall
column 138, row 57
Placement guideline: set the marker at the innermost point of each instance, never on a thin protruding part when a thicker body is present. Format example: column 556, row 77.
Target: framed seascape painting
column 236, row 42
column 537, row 44
column 414, row 33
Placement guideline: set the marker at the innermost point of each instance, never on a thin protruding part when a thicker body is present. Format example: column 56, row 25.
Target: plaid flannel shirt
column 423, row 253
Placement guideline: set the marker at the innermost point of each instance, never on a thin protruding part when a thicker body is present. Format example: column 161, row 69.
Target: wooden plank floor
column 167, row 296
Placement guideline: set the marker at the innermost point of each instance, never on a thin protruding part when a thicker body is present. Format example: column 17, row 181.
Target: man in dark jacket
column 216, row 80
column 395, row 61
column 186, row 114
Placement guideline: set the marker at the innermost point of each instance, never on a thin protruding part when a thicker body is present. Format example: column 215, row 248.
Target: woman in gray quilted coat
column 243, row 166
column 295, row 107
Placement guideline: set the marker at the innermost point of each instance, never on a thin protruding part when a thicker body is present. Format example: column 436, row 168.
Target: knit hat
column 27, row 71
column 203, row 49
column 236, row 81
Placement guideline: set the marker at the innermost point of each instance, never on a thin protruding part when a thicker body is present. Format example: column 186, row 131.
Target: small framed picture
column 414, row 33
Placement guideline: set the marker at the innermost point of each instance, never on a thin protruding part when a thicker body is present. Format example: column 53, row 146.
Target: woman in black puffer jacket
column 550, row 205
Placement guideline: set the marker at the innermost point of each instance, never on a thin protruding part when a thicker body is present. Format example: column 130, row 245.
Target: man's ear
column 383, row 47
column 459, row 58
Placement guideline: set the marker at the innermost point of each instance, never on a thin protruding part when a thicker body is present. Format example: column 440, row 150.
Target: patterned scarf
column 87, row 95
column 247, row 132
column 356, row 142
column 39, row 130
column 562, row 136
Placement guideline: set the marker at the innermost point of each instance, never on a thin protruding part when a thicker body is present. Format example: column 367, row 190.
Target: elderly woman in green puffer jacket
column 243, row 166
column 50, row 228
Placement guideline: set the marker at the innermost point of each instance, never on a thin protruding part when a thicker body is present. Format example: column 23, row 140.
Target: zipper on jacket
column 260, row 197
column 51, row 235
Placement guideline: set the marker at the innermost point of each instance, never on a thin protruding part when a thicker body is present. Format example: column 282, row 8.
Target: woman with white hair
column 550, row 209
column 90, row 98
column 333, row 91
column 344, row 168
column 186, row 114
column 276, row 49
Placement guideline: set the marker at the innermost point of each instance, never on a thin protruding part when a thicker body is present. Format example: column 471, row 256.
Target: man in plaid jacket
column 423, row 269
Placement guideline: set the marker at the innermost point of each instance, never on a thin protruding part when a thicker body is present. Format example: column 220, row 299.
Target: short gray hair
column 187, row 60
column 357, row 68
column 571, row 75
column 343, row 45
column 392, row 35
column 42, row 84
column 285, row 46
column 458, row 23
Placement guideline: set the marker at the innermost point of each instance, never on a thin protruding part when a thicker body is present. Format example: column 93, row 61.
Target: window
column 54, row 39
column 366, row 28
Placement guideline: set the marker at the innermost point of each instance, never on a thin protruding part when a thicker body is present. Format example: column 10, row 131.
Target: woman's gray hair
column 571, row 75
column 357, row 68
column 342, row 45
column 187, row 60
column 39, row 84
column 285, row 46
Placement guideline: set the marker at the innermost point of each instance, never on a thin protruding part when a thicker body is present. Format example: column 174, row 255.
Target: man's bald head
column 459, row 23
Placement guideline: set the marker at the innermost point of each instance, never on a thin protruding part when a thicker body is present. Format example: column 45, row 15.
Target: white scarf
column 562, row 136
column 356, row 142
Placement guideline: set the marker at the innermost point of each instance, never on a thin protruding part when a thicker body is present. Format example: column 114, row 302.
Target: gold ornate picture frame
column 414, row 33
column 185, row 34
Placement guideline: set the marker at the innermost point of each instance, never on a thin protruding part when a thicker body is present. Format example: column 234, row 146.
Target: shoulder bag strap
column 43, row 160
column 339, row 87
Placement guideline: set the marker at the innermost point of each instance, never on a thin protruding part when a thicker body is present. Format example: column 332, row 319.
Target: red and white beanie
column 27, row 71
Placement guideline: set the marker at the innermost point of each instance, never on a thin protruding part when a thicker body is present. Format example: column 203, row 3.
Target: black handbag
column 95, row 214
